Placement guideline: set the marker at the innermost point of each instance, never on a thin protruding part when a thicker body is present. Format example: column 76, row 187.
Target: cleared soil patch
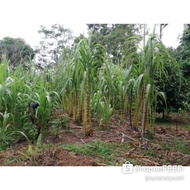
column 106, row 147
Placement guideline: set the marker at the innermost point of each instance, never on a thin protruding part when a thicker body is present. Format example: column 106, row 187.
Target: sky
column 171, row 34
column 21, row 18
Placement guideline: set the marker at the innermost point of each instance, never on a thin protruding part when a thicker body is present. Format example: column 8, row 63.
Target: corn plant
column 32, row 151
column 101, row 109
column 43, row 112
column 107, row 111
column 3, row 83
column 109, row 81
column 57, row 125
column 96, row 105
column 5, row 133
column 125, row 90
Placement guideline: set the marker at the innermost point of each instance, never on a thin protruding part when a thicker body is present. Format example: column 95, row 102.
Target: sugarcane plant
column 151, row 61
column 90, row 59
column 86, row 59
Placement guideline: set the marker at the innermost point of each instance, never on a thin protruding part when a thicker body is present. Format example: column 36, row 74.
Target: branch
column 124, row 136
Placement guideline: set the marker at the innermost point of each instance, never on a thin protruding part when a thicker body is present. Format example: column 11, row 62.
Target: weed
column 151, row 153
column 32, row 151
column 11, row 160
column 166, row 147
column 57, row 126
column 182, row 146
column 108, row 152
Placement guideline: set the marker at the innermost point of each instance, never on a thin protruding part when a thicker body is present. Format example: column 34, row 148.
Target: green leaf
column 30, row 150
column 38, row 142
column 24, row 155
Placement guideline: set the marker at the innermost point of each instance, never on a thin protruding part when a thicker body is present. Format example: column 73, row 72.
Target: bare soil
column 157, row 151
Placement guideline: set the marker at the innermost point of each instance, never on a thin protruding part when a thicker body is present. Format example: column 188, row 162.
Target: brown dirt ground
column 56, row 156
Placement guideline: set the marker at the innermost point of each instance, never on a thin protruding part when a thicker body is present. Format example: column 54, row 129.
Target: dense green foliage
column 18, row 90
column 176, row 85
column 114, row 38
column 183, row 52
column 90, row 87
column 16, row 50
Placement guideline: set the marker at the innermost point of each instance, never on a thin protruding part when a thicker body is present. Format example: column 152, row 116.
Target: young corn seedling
column 107, row 111
column 33, row 151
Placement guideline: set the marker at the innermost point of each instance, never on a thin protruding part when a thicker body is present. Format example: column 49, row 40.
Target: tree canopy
column 16, row 50
column 183, row 52
column 176, row 86
column 54, row 44
column 114, row 37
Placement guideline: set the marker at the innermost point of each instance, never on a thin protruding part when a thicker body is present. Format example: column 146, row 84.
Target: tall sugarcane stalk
column 87, row 109
column 151, row 58
column 86, row 59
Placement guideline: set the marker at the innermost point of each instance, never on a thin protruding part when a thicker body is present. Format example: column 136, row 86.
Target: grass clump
column 106, row 152
column 182, row 146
